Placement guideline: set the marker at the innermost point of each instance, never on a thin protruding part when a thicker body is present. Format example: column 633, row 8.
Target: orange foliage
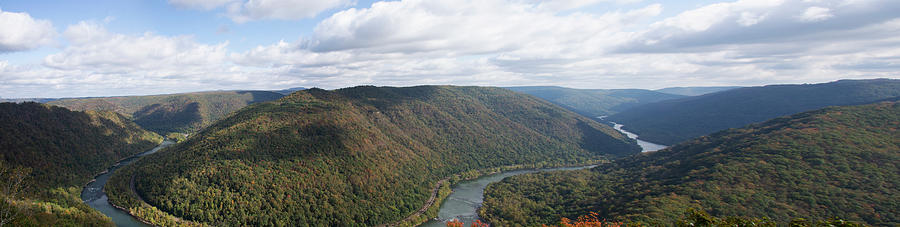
column 478, row 223
column 590, row 220
column 454, row 223
column 457, row 223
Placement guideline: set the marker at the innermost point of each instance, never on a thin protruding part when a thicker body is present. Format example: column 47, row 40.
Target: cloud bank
column 243, row 11
column 489, row 42
column 20, row 32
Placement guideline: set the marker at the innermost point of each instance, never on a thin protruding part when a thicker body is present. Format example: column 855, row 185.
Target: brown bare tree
column 12, row 189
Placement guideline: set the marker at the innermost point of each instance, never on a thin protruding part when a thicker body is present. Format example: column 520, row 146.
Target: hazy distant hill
column 673, row 121
column 694, row 91
column 289, row 90
column 63, row 149
column 186, row 112
column 358, row 156
column 595, row 102
column 21, row 100
column 838, row 162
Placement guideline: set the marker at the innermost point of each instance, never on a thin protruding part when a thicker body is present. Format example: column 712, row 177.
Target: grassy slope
column 673, row 121
column 63, row 149
column 183, row 113
column 837, row 162
column 360, row 156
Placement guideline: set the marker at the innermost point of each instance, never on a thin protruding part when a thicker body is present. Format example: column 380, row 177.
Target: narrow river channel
column 645, row 146
column 467, row 197
column 95, row 197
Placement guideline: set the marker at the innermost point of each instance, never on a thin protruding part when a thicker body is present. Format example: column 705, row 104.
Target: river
column 467, row 197
column 95, row 197
column 645, row 146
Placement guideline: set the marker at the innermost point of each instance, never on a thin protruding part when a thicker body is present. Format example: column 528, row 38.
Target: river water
column 95, row 197
column 645, row 146
column 467, row 197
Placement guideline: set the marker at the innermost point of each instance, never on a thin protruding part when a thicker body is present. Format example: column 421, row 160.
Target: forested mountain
column 61, row 150
column 358, row 156
column 184, row 113
column 694, row 91
column 836, row 162
column 672, row 121
column 595, row 102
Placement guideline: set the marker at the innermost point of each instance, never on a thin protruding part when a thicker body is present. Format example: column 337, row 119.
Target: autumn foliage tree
column 458, row 223
column 591, row 219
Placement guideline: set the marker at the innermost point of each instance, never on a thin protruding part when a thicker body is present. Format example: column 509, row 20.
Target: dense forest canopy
column 673, row 121
column 62, row 150
column 595, row 102
column 359, row 156
column 182, row 113
column 836, row 162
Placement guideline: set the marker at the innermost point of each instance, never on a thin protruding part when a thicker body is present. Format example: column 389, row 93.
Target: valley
column 645, row 146
column 94, row 194
column 821, row 164
column 458, row 113
column 335, row 152
column 441, row 150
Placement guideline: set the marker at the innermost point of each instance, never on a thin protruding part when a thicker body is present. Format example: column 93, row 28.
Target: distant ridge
column 595, row 102
column 694, row 91
column 21, row 100
column 672, row 121
column 182, row 113
column 289, row 90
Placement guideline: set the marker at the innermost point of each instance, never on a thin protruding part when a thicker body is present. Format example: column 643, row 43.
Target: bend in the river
column 94, row 196
column 645, row 146
column 467, row 196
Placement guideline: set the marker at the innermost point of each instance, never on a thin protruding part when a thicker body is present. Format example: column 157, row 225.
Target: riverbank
column 437, row 218
column 125, row 198
column 439, row 193
column 94, row 192
column 442, row 191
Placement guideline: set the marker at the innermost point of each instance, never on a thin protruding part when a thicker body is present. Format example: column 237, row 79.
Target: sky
column 140, row 47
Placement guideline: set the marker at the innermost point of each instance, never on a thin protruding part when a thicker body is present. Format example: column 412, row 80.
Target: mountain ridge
column 594, row 102
column 61, row 150
column 168, row 113
column 672, row 121
column 834, row 162
column 381, row 149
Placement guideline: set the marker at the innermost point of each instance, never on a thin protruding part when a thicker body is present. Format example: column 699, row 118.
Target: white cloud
column 814, row 14
column 92, row 47
column 19, row 32
column 281, row 9
column 498, row 43
column 99, row 62
column 241, row 11
column 200, row 4
column 749, row 21
column 521, row 43
column 466, row 27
